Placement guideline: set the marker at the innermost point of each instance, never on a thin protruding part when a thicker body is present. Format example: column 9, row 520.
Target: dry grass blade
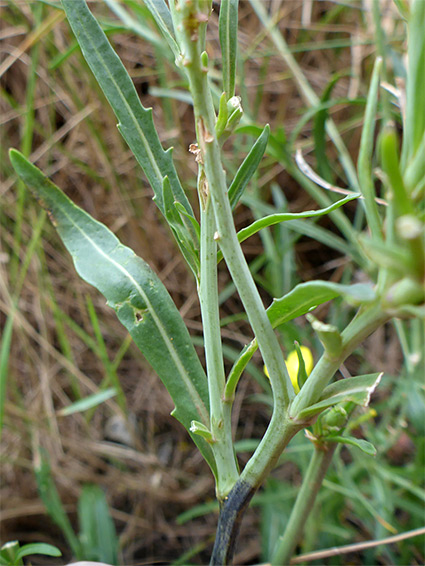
column 308, row 172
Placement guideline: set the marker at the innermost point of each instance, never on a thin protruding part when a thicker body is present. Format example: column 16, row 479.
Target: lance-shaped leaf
column 363, row 445
column 135, row 121
column 248, row 167
column 137, row 26
column 306, row 296
column 228, row 29
column 183, row 230
column 98, row 536
column 355, row 389
column 162, row 16
column 272, row 219
column 134, row 291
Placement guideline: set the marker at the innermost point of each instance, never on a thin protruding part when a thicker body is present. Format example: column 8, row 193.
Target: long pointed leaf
column 228, row 28
column 135, row 121
column 98, row 536
column 248, row 167
column 306, row 296
column 134, row 291
column 355, row 389
column 162, row 16
column 272, row 219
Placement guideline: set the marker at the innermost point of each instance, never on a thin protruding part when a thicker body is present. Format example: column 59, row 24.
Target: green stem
column 220, row 419
column 312, row 481
column 226, row 235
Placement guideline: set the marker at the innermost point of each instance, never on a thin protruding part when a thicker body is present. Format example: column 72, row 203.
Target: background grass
column 60, row 343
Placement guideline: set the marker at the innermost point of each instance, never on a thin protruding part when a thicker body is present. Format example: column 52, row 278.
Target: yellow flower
column 292, row 364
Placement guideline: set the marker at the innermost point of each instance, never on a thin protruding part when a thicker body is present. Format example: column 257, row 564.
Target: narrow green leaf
column 415, row 170
column 306, row 296
column 98, row 536
column 228, row 29
column 38, row 548
column 272, row 219
column 134, row 25
column 364, row 162
column 355, row 389
column 134, row 291
column 389, row 255
column 162, row 16
column 183, row 229
column 414, row 123
column 88, row 402
column 364, row 445
column 6, row 341
column 135, row 121
column 249, row 166
column 319, row 131
column 50, row 497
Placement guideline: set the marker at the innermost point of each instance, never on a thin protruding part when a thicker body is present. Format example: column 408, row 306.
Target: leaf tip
column 15, row 156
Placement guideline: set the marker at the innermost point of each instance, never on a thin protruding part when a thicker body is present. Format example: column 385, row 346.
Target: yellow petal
column 292, row 364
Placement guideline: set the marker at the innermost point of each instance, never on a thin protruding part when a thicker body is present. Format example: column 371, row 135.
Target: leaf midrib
column 190, row 387
column 126, row 104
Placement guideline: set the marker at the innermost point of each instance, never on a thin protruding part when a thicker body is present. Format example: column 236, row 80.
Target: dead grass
column 160, row 474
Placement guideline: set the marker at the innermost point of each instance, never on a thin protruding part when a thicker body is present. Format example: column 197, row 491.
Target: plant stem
column 226, row 235
column 312, row 481
column 231, row 515
column 220, row 421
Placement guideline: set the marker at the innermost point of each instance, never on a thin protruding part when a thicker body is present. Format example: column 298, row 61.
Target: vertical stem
column 278, row 435
column 220, row 420
column 226, row 232
column 312, row 481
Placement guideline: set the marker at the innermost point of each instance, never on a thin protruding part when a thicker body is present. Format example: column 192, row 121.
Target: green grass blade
column 88, row 402
column 135, row 122
column 414, row 125
column 228, row 29
column 50, row 497
column 6, row 341
column 248, row 167
column 319, row 132
column 134, row 25
column 111, row 378
column 135, row 292
column 364, row 163
column 98, row 536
